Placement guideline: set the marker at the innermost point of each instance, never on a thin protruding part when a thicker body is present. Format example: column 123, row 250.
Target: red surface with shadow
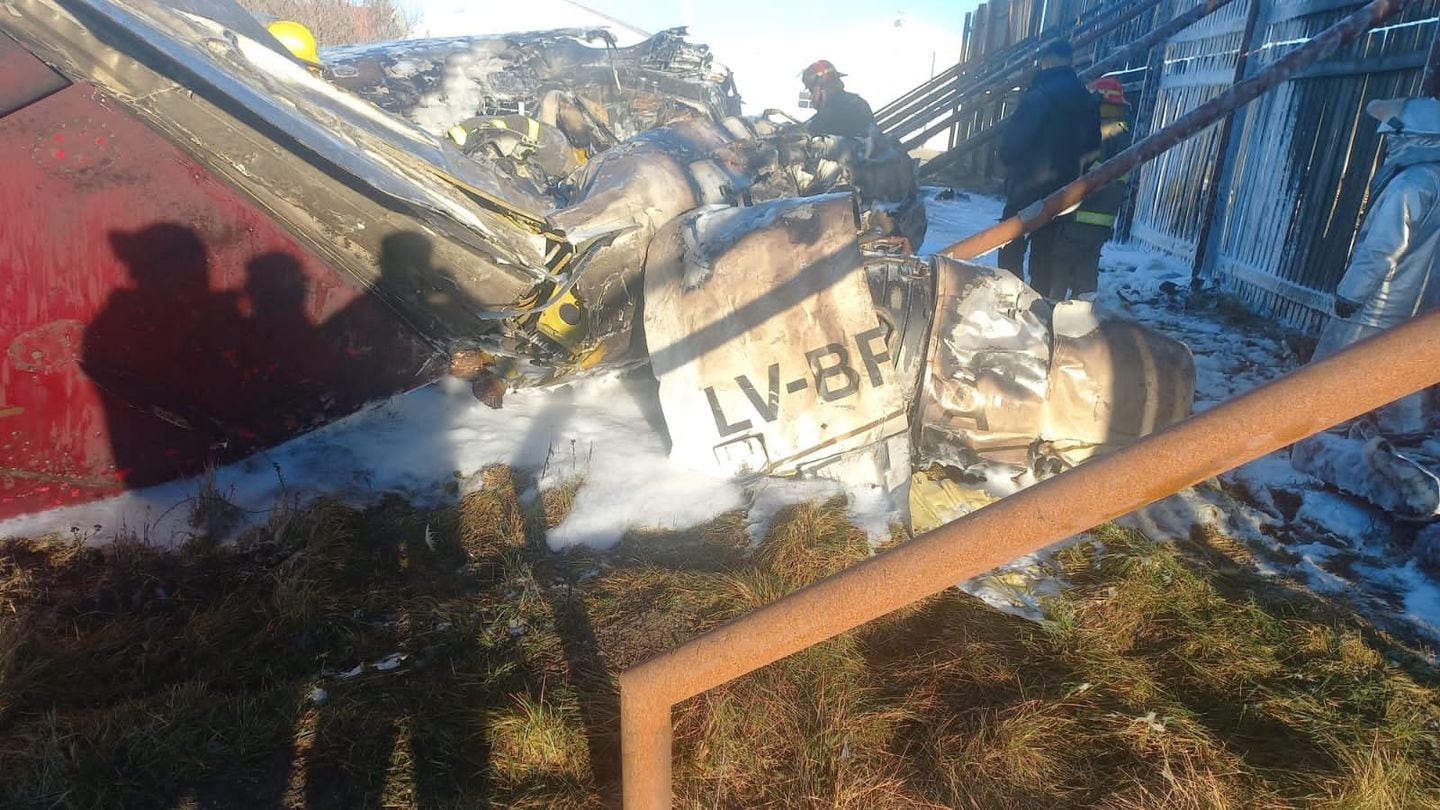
column 152, row 318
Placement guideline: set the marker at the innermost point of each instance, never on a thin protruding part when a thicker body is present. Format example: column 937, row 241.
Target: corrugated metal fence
column 1294, row 176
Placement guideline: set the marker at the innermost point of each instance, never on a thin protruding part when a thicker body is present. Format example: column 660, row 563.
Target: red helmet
column 820, row 72
column 1111, row 90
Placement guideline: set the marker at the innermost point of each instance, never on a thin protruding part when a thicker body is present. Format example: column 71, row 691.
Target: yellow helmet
column 297, row 39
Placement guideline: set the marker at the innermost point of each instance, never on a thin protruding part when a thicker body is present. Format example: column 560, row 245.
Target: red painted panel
column 153, row 319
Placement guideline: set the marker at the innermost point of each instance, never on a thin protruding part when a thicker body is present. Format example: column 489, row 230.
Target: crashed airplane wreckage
column 598, row 95
column 233, row 251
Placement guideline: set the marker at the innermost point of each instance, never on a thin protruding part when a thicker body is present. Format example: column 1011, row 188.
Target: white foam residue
column 1022, row 586
column 770, row 495
column 953, row 220
column 873, row 510
column 1002, row 480
column 869, row 507
column 607, row 430
column 1074, row 319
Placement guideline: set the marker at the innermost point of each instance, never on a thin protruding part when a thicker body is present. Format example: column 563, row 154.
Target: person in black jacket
column 1056, row 123
column 837, row 110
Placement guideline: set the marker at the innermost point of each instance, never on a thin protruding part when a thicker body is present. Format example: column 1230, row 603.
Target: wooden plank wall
column 1303, row 159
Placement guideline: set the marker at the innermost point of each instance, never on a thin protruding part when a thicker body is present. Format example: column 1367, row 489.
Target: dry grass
column 1165, row 677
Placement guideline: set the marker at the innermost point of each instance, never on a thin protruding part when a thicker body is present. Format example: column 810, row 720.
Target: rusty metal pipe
column 1095, row 71
column 1393, row 364
column 645, row 743
column 1322, row 45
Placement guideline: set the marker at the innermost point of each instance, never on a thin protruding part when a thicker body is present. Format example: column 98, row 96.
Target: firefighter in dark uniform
column 1054, row 126
column 1077, row 247
column 837, row 110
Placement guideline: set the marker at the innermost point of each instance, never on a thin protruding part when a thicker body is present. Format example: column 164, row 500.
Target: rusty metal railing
column 1391, row 365
column 1388, row 366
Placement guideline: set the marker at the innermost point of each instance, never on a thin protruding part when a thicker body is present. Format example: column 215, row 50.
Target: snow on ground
column 954, row 218
column 431, row 444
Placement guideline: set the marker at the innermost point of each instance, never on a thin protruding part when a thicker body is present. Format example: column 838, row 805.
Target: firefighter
column 1391, row 276
column 1056, row 124
column 837, row 110
column 1390, row 279
column 298, row 40
column 1078, row 243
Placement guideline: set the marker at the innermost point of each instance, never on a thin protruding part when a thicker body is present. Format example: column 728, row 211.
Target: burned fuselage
column 766, row 276
column 575, row 79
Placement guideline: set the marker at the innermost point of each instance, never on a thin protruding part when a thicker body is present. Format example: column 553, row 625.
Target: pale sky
column 733, row 20
column 736, row 18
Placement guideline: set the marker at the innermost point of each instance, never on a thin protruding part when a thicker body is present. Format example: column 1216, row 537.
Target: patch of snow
column 1422, row 598
column 1274, row 469
column 423, row 444
column 952, row 220
column 1320, row 579
column 1345, row 518
column 770, row 495
column 389, row 662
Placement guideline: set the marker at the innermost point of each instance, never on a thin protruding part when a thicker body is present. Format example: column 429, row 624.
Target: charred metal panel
column 154, row 319
column 621, row 91
column 763, row 334
column 634, row 190
column 1012, row 380
column 988, row 376
column 1111, row 382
